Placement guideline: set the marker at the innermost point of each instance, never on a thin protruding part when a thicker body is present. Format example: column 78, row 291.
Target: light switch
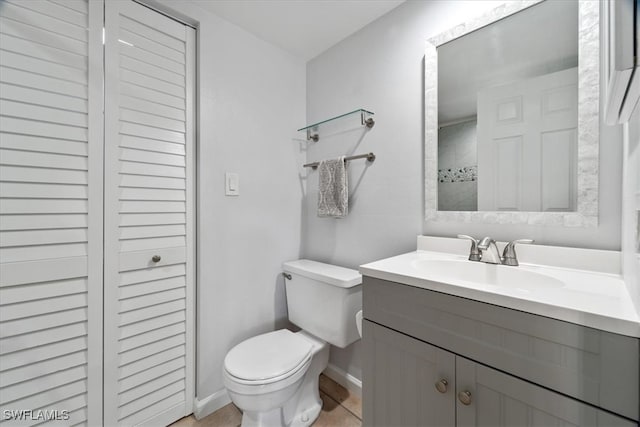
column 232, row 184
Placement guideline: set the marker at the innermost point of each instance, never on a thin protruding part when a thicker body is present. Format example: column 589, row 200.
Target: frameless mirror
column 511, row 107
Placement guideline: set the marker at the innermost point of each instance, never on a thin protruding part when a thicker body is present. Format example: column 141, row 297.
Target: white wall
column 381, row 68
column 631, row 208
column 251, row 103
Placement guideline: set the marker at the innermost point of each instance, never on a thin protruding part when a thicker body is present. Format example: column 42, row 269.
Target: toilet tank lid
column 327, row 273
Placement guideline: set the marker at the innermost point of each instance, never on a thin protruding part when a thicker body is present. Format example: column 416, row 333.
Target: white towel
column 333, row 190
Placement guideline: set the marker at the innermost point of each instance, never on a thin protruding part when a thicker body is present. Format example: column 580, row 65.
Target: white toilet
column 273, row 377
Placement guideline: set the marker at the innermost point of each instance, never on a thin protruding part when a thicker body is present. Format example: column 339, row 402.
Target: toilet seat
column 268, row 358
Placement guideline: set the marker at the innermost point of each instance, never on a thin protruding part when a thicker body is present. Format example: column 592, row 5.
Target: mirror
column 511, row 125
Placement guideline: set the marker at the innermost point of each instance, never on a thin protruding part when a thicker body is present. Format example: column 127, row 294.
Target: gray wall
column 381, row 67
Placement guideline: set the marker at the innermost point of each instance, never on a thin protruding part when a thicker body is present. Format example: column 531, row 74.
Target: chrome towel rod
column 369, row 156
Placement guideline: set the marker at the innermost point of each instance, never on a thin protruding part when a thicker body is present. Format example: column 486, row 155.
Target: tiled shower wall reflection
column 457, row 167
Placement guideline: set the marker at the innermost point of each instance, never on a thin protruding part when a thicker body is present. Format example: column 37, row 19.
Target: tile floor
column 340, row 408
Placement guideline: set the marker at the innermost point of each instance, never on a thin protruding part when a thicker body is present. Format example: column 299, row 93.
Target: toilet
column 273, row 377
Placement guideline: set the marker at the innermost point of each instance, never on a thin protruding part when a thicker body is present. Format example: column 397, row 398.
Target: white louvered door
column 51, row 147
column 148, row 213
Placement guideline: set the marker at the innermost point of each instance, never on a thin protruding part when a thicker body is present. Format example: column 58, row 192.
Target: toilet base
column 305, row 405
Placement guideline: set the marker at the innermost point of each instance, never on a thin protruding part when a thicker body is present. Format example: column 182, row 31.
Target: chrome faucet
column 474, row 253
column 509, row 256
column 486, row 250
column 489, row 251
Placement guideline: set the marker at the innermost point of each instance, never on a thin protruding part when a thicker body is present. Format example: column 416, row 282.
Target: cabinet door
column 399, row 378
column 497, row 399
column 51, row 211
column 149, row 246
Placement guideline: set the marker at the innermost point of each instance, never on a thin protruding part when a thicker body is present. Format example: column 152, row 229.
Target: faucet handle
column 474, row 253
column 509, row 256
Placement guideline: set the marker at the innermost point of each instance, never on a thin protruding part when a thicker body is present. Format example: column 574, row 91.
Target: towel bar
column 369, row 156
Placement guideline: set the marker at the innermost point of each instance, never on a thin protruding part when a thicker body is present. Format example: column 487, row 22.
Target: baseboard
column 210, row 404
column 345, row 379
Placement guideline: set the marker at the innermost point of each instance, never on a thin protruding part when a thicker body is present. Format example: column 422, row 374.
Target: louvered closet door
column 148, row 213
column 51, row 211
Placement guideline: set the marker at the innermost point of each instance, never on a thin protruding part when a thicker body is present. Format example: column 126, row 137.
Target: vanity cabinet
column 438, row 360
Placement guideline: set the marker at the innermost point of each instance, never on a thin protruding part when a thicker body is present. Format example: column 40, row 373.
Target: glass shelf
column 365, row 120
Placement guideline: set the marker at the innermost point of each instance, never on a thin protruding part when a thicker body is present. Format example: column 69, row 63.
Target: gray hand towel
column 333, row 190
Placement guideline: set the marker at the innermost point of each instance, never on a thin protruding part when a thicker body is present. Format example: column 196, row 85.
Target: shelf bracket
column 366, row 122
column 314, row 137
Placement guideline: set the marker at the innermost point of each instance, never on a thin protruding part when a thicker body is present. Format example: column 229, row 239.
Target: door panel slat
column 150, row 274
column 34, row 291
column 43, row 321
column 150, row 107
column 42, row 237
column 50, row 305
column 40, row 369
column 53, row 130
column 40, row 338
column 19, row 273
column 43, row 145
column 149, row 325
column 28, row 63
column 35, row 81
column 41, row 51
column 151, row 373
column 149, row 45
column 34, row 253
column 154, row 359
column 13, row 11
column 151, row 120
column 33, row 95
column 42, row 191
column 143, row 314
column 149, row 32
column 42, row 175
column 151, row 157
column 41, row 353
column 132, row 64
column 145, row 288
column 160, row 340
column 47, row 8
column 151, row 145
column 45, row 399
column 144, row 94
column 152, row 231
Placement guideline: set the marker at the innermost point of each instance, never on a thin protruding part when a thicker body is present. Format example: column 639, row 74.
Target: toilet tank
column 323, row 299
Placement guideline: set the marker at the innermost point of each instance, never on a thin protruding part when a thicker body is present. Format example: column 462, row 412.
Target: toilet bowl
column 273, row 377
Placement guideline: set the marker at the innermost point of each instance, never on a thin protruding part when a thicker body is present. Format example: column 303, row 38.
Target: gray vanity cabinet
column 401, row 373
column 499, row 368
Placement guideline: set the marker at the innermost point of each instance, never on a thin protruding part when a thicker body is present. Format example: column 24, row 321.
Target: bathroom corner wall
column 251, row 101
column 380, row 68
column 631, row 208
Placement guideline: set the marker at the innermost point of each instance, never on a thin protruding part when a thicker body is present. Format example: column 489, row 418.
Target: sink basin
column 482, row 273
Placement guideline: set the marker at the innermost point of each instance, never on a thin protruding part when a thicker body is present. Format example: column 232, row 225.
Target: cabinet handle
column 465, row 397
column 441, row 386
column 156, row 258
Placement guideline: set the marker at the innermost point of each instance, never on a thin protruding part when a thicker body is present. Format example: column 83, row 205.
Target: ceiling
column 304, row 28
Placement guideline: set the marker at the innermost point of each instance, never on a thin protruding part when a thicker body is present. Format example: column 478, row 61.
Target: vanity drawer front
column 594, row 366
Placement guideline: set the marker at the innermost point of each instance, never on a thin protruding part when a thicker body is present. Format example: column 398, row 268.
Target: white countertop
column 590, row 298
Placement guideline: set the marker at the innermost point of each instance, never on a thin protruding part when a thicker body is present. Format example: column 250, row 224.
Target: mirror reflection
column 508, row 113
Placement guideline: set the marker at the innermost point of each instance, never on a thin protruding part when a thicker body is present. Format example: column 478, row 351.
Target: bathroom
column 254, row 88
